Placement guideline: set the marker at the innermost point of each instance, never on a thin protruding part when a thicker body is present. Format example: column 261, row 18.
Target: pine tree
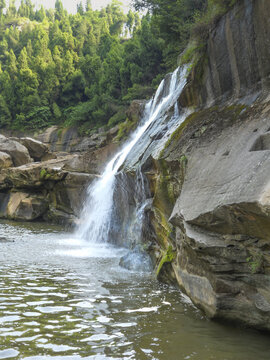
column 2, row 6
column 11, row 11
column 80, row 8
column 88, row 6
column 59, row 10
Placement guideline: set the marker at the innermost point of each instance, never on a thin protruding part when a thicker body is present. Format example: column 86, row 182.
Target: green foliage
column 173, row 20
column 255, row 262
column 117, row 118
column 82, row 69
column 79, row 70
column 138, row 91
column 125, row 128
column 177, row 20
column 44, row 175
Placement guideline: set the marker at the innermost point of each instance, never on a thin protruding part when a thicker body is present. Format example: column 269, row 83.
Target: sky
column 71, row 5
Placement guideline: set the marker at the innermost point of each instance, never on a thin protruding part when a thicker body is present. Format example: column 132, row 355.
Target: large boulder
column 68, row 195
column 26, row 207
column 5, row 161
column 34, row 175
column 17, row 151
column 37, row 149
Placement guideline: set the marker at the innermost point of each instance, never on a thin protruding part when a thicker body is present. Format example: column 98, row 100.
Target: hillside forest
column 83, row 69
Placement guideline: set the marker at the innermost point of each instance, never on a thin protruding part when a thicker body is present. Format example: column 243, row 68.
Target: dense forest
column 84, row 69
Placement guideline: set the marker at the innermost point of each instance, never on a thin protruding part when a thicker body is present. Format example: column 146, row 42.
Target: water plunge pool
column 62, row 299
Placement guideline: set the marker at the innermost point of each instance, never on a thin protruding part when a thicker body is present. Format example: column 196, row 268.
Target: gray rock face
column 211, row 182
column 18, row 152
column 237, row 58
column 222, row 215
column 59, row 139
column 68, row 140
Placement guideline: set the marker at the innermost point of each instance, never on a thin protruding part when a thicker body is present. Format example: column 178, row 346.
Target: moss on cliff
column 44, row 174
column 162, row 227
column 167, row 257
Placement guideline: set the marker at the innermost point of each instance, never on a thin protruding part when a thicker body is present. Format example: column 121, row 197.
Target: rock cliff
column 210, row 184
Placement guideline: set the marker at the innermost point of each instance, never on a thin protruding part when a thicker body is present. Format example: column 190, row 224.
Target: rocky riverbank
column 38, row 184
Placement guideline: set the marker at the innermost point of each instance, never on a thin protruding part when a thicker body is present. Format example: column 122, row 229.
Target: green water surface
column 63, row 299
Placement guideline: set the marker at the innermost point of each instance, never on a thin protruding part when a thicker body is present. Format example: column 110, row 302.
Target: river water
column 63, row 299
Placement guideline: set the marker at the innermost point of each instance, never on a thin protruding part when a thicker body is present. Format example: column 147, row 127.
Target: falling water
column 96, row 214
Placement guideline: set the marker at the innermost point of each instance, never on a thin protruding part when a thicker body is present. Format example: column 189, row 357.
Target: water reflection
column 58, row 303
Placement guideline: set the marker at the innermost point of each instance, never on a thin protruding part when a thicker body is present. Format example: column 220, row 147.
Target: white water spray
column 97, row 211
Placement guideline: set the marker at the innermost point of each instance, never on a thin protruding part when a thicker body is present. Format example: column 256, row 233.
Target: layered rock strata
column 211, row 182
column 208, row 176
column 53, row 187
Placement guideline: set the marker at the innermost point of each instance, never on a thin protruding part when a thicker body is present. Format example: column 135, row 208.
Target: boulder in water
column 136, row 260
column 3, row 239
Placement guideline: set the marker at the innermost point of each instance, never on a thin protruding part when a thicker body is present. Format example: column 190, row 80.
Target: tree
column 80, row 8
column 59, row 10
column 5, row 116
column 40, row 14
column 2, row 6
column 88, row 6
column 57, row 67
column 173, row 20
column 11, row 11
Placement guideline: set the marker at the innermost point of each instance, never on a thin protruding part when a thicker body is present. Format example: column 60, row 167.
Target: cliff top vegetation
column 83, row 70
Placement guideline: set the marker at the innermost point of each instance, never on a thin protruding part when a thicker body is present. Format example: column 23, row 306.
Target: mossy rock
column 168, row 256
column 44, row 174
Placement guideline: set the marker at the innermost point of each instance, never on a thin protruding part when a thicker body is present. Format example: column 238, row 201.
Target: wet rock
column 136, row 260
column 92, row 162
column 113, row 131
column 17, row 151
column 4, row 199
column 59, row 139
column 5, row 240
column 60, row 217
column 5, row 161
column 48, row 156
column 68, row 195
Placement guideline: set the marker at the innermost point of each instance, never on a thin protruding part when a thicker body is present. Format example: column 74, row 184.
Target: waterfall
column 96, row 215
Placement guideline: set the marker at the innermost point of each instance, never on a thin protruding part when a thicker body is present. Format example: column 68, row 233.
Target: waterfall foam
column 96, row 214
